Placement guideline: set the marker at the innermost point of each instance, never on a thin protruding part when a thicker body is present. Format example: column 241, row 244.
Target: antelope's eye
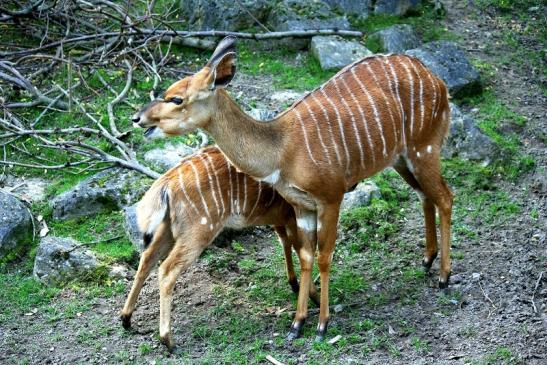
column 176, row 100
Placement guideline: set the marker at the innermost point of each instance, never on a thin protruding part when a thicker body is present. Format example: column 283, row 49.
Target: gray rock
column 223, row 14
column 60, row 260
column 262, row 114
column 450, row 63
column 396, row 39
column 334, row 53
column 361, row 196
column 465, row 140
column 132, row 228
column 360, row 8
column 286, row 96
column 15, row 224
column 395, row 7
column 168, row 156
column 108, row 190
column 290, row 15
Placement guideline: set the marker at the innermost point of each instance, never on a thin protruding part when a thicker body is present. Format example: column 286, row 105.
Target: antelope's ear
column 223, row 62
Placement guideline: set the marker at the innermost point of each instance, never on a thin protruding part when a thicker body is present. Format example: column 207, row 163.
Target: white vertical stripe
column 250, row 215
column 236, row 202
column 340, row 126
column 353, row 122
column 230, row 180
column 318, row 129
column 244, row 193
column 327, row 122
column 219, row 188
column 365, row 123
column 374, row 109
column 392, row 90
column 421, row 101
column 411, row 80
column 181, row 182
column 272, row 199
column 210, row 180
column 396, row 86
column 388, row 106
column 299, row 117
column 198, row 185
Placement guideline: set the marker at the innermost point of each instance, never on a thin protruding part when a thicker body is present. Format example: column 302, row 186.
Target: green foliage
column 279, row 64
column 20, row 293
column 425, row 21
column 103, row 232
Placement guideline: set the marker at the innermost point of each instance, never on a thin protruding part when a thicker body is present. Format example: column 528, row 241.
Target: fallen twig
column 534, row 292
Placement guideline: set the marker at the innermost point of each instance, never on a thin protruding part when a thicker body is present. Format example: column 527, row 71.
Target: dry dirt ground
column 494, row 312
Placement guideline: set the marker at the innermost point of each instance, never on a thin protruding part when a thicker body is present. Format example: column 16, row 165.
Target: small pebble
column 338, row 308
column 476, row 276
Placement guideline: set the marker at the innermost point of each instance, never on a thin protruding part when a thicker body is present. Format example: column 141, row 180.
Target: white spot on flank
column 429, row 149
column 203, row 220
column 272, row 178
column 307, row 224
column 211, row 227
column 418, row 154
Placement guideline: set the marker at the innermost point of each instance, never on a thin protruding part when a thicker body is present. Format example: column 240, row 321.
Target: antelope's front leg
column 307, row 223
column 327, row 218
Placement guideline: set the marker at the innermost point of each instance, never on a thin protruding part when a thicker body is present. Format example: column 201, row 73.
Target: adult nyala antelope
column 185, row 209
column 377, row 112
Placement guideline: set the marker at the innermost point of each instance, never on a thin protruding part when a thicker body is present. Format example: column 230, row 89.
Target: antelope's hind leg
column 427, row 172
column 431, row 247
column 161, row 244
column 180, row 258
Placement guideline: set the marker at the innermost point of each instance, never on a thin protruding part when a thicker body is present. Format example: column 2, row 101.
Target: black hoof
column 168, row 342
column 294, row 286
column 444, row 284
column 428, row 263
column 294, row 332
column 321, row 332
column 126, row 321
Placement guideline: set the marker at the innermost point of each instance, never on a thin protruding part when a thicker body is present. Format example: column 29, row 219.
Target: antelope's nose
column 136, row 118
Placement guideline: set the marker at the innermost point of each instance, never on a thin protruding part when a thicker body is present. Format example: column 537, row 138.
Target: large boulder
column 361, row 196
column 450, row 63
column 168, row 156
column 223, row 14
column 334, row 53
column 15, row 225
column 112, row 189
column 351, row 7
column 396, row 39
column 465, row 139
column 395, row 7
column 60, row 260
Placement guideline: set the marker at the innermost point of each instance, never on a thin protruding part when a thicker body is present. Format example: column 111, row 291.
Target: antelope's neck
column 254, row 147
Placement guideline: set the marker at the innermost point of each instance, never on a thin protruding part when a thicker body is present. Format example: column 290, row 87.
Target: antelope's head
column 189, row 103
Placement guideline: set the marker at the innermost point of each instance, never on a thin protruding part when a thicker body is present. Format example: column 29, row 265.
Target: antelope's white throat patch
column 272, row 178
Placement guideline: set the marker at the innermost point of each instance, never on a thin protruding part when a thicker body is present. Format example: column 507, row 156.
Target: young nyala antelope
column 187, row 207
